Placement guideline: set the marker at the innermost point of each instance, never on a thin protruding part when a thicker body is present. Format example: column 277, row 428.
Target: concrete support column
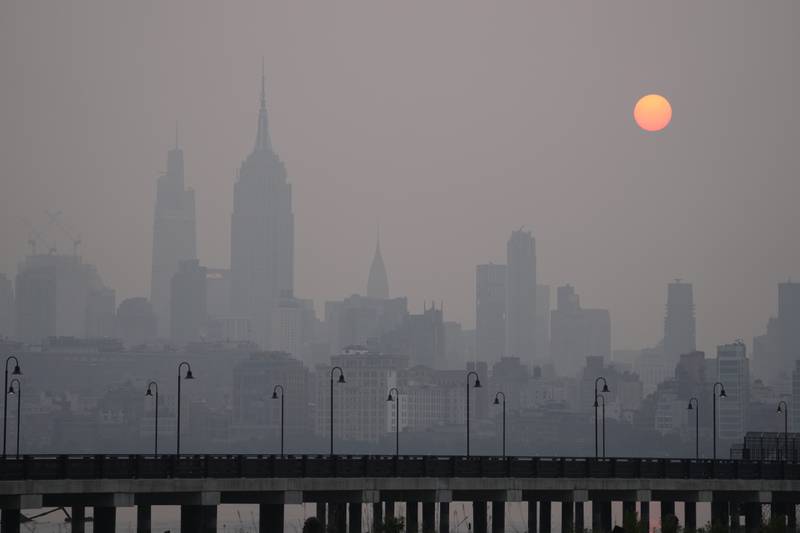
column 412, row 517
column 9, row 521
column 199, row 518
column 105, row 519
column 689, row 517
column 498, row 517
column 644, row 514
column 428, row 517
column 533, row 517
column 791, row 517
column 143, row 518
column 579, row 517
column 337, row 517
column 354, row 522
column 444, row 517
column 752, row 517
column 377, row 516
column 735, row 517
column 667, row 509
column 601, row 517
column 322, row 515
column 628, row 510
column 270, row 518
column 78, row 519
column 389, row 509
column 567, row 517
column 545, row 516
column 719, row 513
column 479, row 518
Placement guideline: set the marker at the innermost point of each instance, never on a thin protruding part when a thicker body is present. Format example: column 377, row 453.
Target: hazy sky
column 451, row 122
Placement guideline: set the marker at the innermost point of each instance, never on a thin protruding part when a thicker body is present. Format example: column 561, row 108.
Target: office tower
column 188, row 302
column 173, row 234
column 357, row 320
column 378, row 281
column 361, row 411
column 795, row 413
column 490, row 311
column 521, row 297
column 58, row 295
column 421, row 337
column 733, row 371
column 6, row 307
column 262, row 233
column 293, row 322
column 255, row 415
column 218, row 292
column 679, row 324
column 542, row 337
column 789, row 322
column 136, row 321
column 577, row 333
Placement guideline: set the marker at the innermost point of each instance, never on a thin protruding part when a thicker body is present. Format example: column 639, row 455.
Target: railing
column 50, row 467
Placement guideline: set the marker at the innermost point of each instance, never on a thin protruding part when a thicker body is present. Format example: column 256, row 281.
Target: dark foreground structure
column 340, row 485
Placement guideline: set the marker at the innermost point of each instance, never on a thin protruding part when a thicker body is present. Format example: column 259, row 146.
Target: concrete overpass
column 340, row 485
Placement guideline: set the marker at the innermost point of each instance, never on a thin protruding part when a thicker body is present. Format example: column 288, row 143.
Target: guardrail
column 43, row 467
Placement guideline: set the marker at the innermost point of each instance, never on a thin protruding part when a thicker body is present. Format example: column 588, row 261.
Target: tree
column 392, row 525
column 312, row 525
column 669, row 524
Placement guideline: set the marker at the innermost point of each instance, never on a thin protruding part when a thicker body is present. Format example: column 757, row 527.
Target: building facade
column 521, row 297
column 490, row 311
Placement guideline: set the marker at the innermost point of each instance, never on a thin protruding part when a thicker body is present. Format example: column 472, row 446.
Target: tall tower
column 679, row 324
column 490, row 311
column 378, row 281
column 174, row 237
column 262, row 233
column 521, row 297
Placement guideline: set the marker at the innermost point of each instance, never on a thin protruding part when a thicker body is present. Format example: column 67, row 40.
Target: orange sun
column 652, row 112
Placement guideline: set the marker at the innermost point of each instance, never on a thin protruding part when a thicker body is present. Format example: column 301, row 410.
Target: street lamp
column 784, row 408
column 694, row 405
column 341, row 380
column 275, row 397
column 605, row 389
column 603, row 404
column 477, row 386
column 722, row 394
column 390, row 398
column 150, row 393
column 188, row 376
column 16, row 372
column 18, row 392
column 497, row 402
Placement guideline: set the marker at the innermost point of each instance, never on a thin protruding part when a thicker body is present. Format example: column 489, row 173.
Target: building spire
column 176, row 135
column 378, row 281
column 262, row 138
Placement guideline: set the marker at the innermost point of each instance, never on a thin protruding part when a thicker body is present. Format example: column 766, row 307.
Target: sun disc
column 652, row 112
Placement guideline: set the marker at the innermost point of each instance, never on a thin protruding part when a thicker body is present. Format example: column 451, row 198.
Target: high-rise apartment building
column 733, row 371
column 679, row 323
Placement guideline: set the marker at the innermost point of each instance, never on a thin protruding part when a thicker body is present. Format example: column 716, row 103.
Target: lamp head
column 149, row 392
column 17, row 371
column 780, row 408
column 605, row 387
column 389, row 398
column 496, row 400
column 691, row 407
column 11, row 390
column 274, row 395
column 341, row 378
column 595, row 403
column 477, row 382
column 723, row 394
column 189, row 374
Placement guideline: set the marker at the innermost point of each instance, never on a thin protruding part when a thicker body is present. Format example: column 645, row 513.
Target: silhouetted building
column 490, row 311
column 543, row 322
column 188, row 302
column 136, row 321
column 789, row 322
column 58, row 295
column 6, row 307
column 358, row 321
column 679, row 323
column 174, row 237
column 521, row 297
column 454, row 345
column 421, row 337
column 577, row 333
column 378, row 281
column 293, row 324
column 733, row 371
column 218, row 292
column 262, row 233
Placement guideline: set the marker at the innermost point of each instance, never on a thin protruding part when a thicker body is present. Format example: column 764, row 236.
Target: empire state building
column 262, row 233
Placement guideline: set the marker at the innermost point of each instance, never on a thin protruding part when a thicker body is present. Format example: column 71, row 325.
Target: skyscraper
column 679, row 324
column 734, row 372
column 188, row 303
column 174, row 237
column 789, row 323
column 378, row 281
column 521, row 297
column 490, row 311
column 262, row 233
column 577, row 333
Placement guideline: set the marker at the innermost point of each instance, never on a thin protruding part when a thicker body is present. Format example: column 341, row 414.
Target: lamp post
column 602, row 404
column 784, row 408
column 149, row 392
column 188, row 376
column 275, row 397
column 16, row 372
column 497, row 402
column 396, row 419
column 694, row 405
column 18, row 392
column 722, row 394
column 605, row 389
column 341, row 380
column 477, row 386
